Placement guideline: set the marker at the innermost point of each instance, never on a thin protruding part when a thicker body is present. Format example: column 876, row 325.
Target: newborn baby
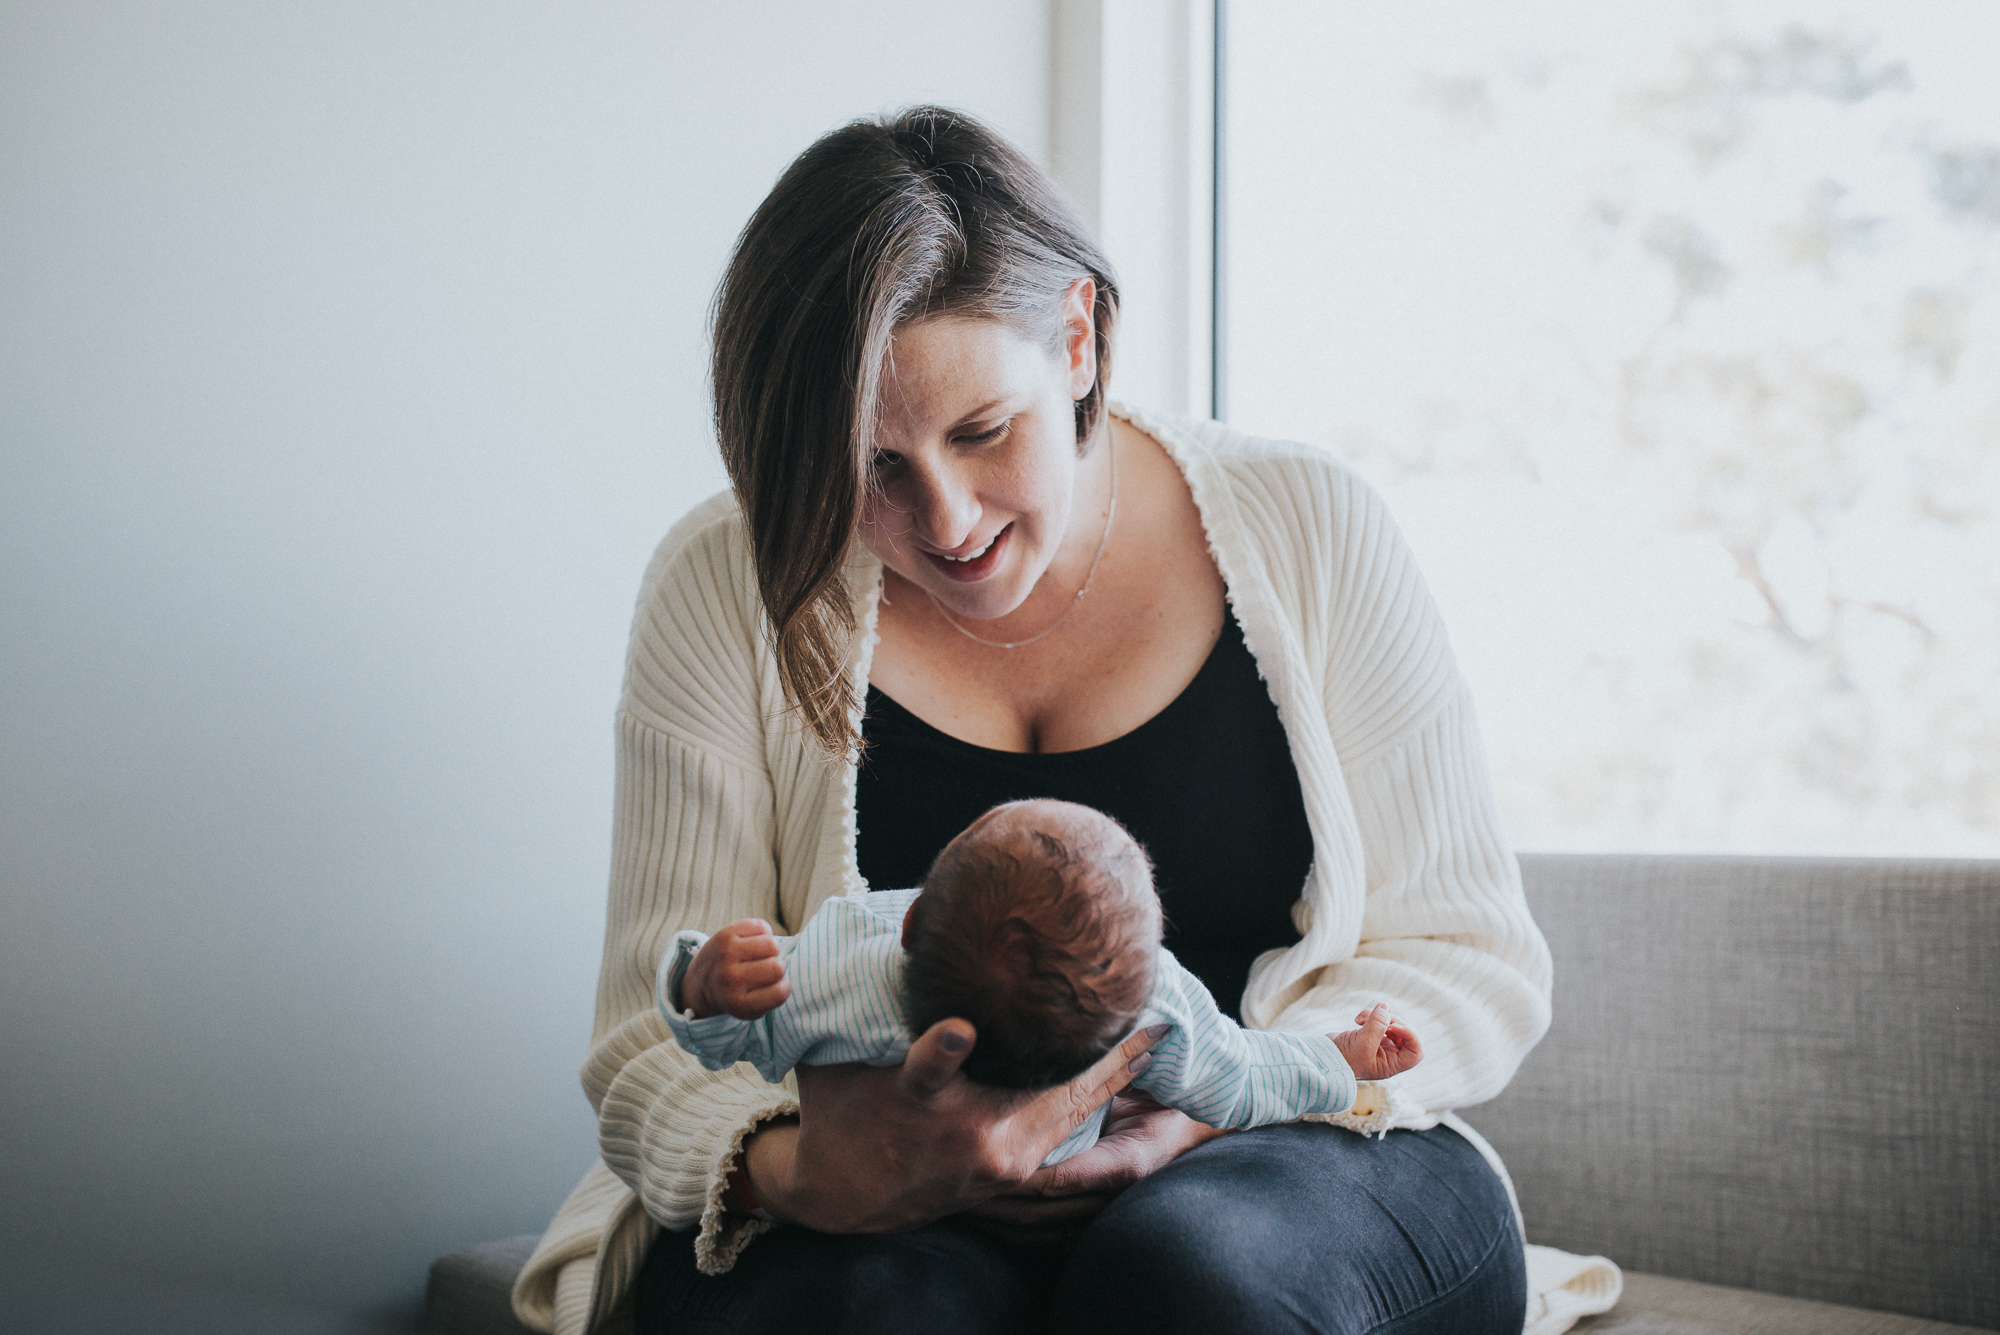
column 1040, row 925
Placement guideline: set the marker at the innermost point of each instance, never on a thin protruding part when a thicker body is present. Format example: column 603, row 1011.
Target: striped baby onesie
column 846, row 1005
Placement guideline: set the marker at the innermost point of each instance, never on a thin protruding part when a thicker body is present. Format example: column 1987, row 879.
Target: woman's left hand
column 1140, row 1136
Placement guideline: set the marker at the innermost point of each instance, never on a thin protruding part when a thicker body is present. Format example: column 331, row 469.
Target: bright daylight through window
column 1671, row 334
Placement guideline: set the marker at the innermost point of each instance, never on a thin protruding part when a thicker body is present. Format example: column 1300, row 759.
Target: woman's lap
column 793, row 1281
column 1306, row 1228
column 1289, row 1228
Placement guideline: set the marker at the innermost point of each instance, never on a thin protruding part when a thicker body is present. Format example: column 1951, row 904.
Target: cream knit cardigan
column 725, row 810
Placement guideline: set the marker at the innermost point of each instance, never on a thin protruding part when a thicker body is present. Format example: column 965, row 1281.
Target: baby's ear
column 910, row 921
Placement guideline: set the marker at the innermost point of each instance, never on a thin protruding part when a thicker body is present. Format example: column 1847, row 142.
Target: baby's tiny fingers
column 756, row 973
column 756, row 947
column 770, row 996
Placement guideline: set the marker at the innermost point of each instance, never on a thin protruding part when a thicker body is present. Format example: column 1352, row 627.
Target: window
column 1671, row 334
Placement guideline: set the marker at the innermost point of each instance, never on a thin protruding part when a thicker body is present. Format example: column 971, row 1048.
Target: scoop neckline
column 1207, row 668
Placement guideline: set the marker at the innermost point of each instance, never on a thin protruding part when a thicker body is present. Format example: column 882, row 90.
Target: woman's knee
column 1302, row 1228
column 1166, row 1271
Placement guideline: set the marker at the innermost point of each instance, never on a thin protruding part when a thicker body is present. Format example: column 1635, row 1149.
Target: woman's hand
column 1140, row 1137
column 884, row 1149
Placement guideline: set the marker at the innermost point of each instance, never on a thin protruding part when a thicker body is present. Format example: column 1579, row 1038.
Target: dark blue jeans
column 1288, row 1228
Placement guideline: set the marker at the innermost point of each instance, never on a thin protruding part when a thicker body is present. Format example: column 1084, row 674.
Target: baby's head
column 1039, row 924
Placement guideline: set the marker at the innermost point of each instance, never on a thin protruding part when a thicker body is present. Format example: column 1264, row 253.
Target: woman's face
column 975, row 464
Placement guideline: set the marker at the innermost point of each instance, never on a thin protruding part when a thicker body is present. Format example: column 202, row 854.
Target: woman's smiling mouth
column 976, row 566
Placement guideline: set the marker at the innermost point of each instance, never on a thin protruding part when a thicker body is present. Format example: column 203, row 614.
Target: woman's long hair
column 880, row 223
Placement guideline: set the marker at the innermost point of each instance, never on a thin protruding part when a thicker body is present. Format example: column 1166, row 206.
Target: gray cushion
column 470, row 1292
column 1779, row 1074
column 1655, row 1305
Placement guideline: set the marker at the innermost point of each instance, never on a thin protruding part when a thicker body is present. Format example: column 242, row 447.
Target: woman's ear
column 1079, row 336
column 910, row 921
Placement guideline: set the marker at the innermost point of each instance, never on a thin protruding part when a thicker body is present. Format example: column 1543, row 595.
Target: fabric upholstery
column 1655, row 1305
column 469, row 1291
column 1772, row 1074
column 1776, row 1075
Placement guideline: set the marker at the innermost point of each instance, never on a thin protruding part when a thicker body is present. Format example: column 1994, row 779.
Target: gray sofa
column 1771, row 1093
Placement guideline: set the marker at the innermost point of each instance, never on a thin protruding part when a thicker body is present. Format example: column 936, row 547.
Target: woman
column 949, row 575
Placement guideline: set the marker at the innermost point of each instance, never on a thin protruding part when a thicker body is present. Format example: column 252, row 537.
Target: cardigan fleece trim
column 725, row 809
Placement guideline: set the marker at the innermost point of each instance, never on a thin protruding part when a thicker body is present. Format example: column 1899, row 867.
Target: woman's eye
column 991, row 434
column 884, row 460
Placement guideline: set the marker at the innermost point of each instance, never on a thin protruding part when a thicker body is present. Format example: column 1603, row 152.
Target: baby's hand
column 1380, row 1048
column 736, row 972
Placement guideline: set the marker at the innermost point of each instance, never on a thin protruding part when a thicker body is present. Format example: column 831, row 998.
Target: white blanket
column 1563, row 1288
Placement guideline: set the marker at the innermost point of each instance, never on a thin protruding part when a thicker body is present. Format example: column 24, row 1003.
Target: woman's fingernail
column 954, row 1041
column 1139, row 1063
column 1156, row 1032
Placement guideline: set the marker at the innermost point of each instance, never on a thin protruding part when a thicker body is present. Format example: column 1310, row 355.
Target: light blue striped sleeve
column 846, row 1004
column 716, row 1041
column 847, row 984
column 1218, row 1072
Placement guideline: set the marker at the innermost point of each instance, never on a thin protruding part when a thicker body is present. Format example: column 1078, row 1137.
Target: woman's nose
column 946, row 510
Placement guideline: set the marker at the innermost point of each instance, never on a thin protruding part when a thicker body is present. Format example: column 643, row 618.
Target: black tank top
column 1207, row 785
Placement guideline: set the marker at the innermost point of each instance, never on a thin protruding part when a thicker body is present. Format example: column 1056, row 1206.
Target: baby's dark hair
column 1042, row 933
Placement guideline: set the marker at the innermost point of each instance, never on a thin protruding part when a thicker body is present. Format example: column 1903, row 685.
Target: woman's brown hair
column 880, row 223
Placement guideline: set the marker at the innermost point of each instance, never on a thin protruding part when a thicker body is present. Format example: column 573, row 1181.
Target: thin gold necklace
column 1110, row 513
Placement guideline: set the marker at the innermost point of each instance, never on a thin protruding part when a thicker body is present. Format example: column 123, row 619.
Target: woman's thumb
column 936, row 1056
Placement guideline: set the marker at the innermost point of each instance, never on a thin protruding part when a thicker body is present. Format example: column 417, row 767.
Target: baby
column 1040, row 925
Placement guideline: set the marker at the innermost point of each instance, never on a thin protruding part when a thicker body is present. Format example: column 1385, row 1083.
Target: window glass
column 1671, row 334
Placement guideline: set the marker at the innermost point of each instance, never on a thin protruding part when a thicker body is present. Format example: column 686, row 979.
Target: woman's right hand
column 886, row 1149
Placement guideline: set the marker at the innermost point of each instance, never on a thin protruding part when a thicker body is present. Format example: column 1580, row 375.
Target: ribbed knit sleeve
column 1444, row 935
column 694, row 846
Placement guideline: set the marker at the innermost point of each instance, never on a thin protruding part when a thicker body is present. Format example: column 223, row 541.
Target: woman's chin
column 983, row 601
column 970, row 601
column 976, row 612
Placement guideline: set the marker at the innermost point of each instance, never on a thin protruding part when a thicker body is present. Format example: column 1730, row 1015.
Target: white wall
column 351, row 363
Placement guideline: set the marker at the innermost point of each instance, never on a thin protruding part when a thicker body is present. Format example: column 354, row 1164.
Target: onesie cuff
column 673, row 970
column 716, row 1041
column 1338, row 1073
